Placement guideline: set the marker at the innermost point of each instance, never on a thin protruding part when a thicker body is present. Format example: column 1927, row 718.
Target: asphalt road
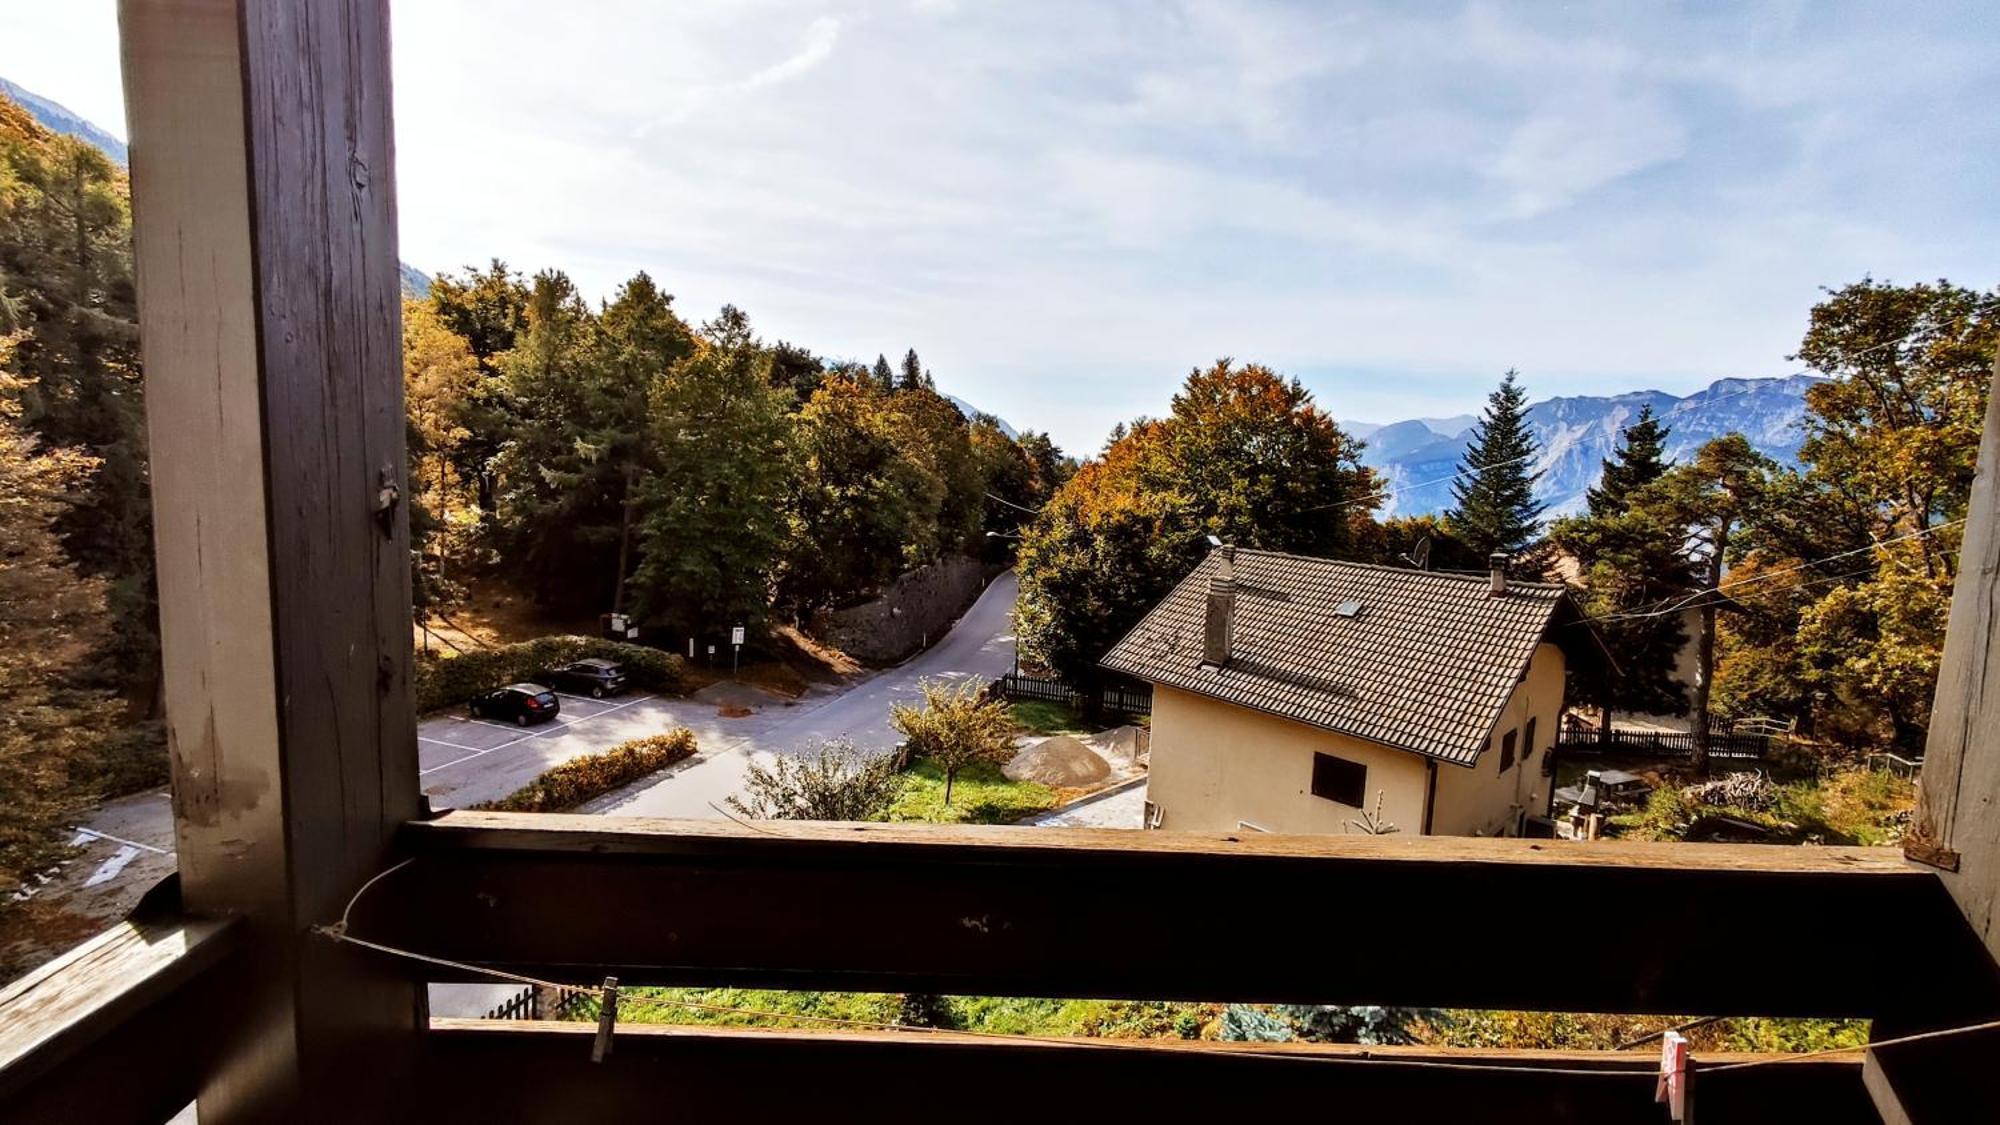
column 978, row 649
column 127, row 845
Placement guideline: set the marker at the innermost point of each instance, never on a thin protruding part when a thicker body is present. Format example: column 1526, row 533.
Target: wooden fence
column 1730, row 744
column 1115, row 698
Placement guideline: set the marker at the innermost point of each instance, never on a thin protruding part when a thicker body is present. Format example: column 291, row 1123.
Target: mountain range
column 1420, row 457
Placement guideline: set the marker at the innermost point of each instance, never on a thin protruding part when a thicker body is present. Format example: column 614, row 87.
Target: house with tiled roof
column 1296, row 694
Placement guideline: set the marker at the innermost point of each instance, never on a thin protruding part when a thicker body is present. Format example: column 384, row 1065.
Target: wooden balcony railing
column 1037, row 912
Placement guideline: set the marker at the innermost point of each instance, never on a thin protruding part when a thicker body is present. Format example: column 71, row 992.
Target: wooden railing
column 1728, row 745
column 1062, row 913
column 1056, row 913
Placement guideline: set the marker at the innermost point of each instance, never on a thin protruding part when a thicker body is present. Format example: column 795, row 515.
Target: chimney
column 1497, row 563
column 1218, row 635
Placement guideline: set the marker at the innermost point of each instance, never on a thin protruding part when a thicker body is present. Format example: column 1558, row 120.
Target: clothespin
column 1672, row 1087
column 607, row 1018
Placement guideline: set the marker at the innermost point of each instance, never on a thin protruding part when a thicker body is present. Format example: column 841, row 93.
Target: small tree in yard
column 836, row 782
column 955, row 728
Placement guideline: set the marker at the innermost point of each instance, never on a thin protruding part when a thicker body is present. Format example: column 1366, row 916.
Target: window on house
column 1507, row 751
column 1339, row 780
column 1528, row 740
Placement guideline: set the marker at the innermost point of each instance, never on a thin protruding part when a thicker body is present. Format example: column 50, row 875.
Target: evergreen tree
column 713, row 522
column 884, row 377
column 1497, row 510
column 1639, row 460
column 913, row 372
column 1629, row 564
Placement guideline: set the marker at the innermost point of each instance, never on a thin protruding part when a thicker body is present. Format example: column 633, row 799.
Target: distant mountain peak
column 1575, row 433
column 59, row 118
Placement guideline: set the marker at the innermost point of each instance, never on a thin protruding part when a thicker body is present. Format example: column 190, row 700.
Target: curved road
column 978, row 649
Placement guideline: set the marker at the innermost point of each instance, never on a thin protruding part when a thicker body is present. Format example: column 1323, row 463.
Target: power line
column 1675, row 605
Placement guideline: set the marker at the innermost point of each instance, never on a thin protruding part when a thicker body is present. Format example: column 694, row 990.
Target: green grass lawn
column 999, row 1015
column 981, row 795
column 1037, row 716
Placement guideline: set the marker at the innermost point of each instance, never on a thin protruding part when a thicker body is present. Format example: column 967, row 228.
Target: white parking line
column 566, row 723
column 120, row 840
column 442, row 742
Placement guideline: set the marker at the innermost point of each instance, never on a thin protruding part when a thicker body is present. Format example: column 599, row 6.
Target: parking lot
column 462, row 760
column 446, row 741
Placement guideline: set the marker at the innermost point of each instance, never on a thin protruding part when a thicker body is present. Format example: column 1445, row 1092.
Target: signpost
column 735, row 648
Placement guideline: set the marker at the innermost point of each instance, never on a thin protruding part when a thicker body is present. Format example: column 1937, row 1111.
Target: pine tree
column 913, row 372
column 1497, row 510
column 884, row 377
column 1639, row 460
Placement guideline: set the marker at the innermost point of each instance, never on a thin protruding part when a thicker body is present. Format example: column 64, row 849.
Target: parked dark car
column 521, row 704
column 594, row 677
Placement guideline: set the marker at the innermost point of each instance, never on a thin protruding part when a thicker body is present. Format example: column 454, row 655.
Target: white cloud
column 1560, row 154
column 1065, row 205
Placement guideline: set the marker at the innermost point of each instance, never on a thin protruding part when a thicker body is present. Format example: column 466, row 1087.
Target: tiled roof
column 1426, row 665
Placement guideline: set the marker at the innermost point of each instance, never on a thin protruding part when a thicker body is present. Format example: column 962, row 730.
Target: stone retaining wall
column 917, row 609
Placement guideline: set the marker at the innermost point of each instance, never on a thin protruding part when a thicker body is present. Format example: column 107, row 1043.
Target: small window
column 1339, row 780
column 1528, row 740
column 1507, row 751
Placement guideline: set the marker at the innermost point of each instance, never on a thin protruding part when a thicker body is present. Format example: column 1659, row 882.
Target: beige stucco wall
column 1482, row 801
column 1217, row 767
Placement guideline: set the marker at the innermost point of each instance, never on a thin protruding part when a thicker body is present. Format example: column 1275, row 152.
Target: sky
column 1064, row 206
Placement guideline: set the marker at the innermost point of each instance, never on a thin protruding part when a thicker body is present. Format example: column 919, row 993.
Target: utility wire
column 338, row 932
column 1674, row 605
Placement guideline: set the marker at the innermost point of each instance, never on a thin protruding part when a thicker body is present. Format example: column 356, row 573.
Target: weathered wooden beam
column 121, row 1028
column 744, row 1074
column 269, row 309
column 1956, row 829
column 1440, row 921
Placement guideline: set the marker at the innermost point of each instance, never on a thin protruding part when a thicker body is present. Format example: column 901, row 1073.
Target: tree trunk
column 949, row 777
column 1704, row 656
column 624, row 544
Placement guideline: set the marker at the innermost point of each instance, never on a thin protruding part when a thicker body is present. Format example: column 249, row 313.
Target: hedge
column 442, row 681
column 563, row 787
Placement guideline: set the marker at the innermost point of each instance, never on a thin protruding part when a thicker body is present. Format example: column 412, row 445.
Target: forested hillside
column 590, row 457
column 78, row 649
column 621, row 457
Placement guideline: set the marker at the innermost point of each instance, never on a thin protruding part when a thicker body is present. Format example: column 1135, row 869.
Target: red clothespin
column 607, row 1018
column 1672, row 1088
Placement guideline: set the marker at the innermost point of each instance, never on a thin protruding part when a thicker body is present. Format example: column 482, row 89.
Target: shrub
column 570, row 784
column 837, row 782
column 441, row 681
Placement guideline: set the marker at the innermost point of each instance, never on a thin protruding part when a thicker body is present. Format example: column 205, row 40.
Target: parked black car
column 594, row 677
column 521, row 704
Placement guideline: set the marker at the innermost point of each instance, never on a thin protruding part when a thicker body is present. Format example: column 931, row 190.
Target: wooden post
column 1956, row 828
column 265, row 245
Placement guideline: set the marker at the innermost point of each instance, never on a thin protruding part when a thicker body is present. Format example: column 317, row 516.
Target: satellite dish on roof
column 1419, row 556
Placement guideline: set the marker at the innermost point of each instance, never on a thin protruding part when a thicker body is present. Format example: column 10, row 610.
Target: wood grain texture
column 263, row 188
column 744, row 1074
column 116, row 1030
column 1958, row 798
column 1161, row 915
column 1957, row 827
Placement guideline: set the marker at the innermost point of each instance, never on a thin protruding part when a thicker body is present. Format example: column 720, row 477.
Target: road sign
column 736, row 635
